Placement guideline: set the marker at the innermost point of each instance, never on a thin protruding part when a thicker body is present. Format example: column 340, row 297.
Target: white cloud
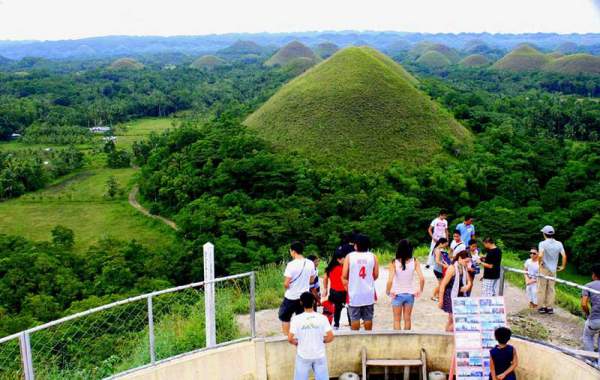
column 57, row 19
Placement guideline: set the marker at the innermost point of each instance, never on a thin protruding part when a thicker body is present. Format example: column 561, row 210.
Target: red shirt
column 335, row 277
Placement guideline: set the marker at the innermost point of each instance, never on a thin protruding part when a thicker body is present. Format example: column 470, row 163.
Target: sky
column 71, row 19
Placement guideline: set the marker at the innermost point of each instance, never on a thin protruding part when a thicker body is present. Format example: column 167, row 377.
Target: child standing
column 503, row 357
column 532, row 267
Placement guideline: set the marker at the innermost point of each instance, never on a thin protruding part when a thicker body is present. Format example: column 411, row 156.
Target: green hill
column 298, row 65
column 126, row 64
column 398, row 46
column 359, row 109
column 326, row 49
column 474, row 60
column 240, row 48
column 424, row 46
column 575, row 64
column 289, row 52
column 208, row 62
column 523, row 58
column 4, row 60
column 567, row 47
column 434, row 60
column 555, row 54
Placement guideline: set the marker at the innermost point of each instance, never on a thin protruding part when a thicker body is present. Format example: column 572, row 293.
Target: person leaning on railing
column 549, row 251
column 590, row 304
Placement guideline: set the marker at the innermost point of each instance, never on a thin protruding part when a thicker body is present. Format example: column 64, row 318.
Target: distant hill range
column 119, row 46
column 358, row 109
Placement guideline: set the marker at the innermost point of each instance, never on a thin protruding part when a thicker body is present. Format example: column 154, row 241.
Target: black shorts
column 289, row 308
column 438, row 275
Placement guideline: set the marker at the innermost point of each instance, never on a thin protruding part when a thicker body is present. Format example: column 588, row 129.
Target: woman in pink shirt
column 401, row 285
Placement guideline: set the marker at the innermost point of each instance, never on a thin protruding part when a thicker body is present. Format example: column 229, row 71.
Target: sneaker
column 549, row 310
column 542, row 310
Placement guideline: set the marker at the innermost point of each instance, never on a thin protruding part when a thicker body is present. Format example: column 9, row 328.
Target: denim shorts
column 403, row 299
column 361, row 312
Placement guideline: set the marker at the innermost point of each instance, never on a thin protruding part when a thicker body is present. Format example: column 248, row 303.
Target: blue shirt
column 466, row 232
column 503, row 358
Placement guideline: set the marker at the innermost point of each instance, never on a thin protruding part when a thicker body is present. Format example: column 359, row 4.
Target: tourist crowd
column 349, row 282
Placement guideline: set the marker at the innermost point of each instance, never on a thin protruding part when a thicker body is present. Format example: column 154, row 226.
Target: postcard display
column 475, row 320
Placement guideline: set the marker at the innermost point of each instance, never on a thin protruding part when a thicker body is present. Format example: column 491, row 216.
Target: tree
column 112, row 187
column 63, row 237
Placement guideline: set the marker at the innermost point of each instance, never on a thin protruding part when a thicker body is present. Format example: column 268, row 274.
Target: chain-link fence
column 129, row 334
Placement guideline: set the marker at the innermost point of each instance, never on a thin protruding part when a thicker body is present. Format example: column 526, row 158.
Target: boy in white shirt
column 310, row 332
column 299, row 275
column 437, row 229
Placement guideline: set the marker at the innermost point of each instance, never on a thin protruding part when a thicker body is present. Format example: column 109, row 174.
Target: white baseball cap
column 548, row 230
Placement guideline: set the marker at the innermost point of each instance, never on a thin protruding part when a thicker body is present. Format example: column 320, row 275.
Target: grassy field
column 137, row 130
column 359, row 109
column 79, row 201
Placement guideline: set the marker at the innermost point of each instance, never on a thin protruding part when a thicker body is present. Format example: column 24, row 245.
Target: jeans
column 531, row 291
column 590, row 330
column 318, row 366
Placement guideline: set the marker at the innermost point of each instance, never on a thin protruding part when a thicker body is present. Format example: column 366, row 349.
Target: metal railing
column 555, row 279
column 590, row 358
column 51, row 355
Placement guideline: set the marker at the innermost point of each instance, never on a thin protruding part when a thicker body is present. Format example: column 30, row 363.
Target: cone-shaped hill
column 240, row 48
column 434, row 60
column 289, row 52
column 359, row 109
column 523, row 58
column 326, row 49
column 126, row 64
column 474, row 60
column 575, row 64
column 208, row 62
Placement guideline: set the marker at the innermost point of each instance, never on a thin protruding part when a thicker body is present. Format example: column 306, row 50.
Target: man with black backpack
column 299, row 275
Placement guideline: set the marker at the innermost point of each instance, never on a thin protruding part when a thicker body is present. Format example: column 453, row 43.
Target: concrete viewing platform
column 273, row 358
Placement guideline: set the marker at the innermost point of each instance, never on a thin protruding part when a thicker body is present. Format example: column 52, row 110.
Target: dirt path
column 562, row 328
column 134, row 203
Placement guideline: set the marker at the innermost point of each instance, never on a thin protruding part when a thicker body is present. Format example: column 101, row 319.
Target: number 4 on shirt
column 362, row 273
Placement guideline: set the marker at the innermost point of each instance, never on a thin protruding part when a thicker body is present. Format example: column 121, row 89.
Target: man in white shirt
column 359, row 273
column 310, row 332
column 437, row 229
column 299, row 274
column 549, row 251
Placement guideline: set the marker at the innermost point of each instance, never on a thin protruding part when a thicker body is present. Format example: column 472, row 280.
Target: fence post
column 25, row 346
column 253, row 304
column 151, row 331
column 209, row 295
column 501, row 282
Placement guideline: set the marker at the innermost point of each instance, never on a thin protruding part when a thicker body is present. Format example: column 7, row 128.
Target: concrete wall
column 273, row 358
column 237, row 361
column 343, row 353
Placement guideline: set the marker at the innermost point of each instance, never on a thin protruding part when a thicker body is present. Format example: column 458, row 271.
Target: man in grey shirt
column 549, row 251
column 590, row 304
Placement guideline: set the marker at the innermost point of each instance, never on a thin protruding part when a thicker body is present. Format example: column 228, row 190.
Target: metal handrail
column 558, row 280
column 121, row 302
